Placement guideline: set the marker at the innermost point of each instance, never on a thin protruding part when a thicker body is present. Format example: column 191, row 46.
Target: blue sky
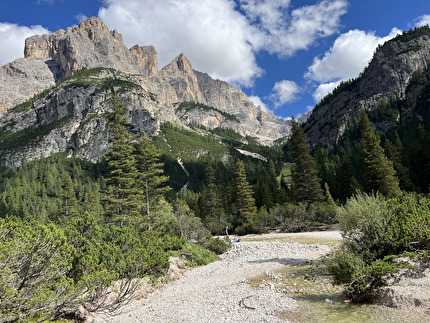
column 284, row 54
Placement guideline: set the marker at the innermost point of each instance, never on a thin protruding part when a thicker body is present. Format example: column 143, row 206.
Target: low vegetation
column 381, row 236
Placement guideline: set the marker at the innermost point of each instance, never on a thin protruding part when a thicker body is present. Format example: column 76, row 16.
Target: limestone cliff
column 60, row 93
column 387, row 75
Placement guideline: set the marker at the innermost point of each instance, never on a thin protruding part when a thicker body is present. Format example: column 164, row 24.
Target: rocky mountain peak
column 93, row 22
column 146, row 59
column 179, row 64
column 71, row 111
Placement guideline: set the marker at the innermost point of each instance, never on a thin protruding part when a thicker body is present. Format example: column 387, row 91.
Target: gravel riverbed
column 219, row 291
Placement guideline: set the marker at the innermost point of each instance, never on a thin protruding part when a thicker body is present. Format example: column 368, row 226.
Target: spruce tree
column 69, row 203
column 120, row 193
column 305, row 182
column 212, row 211
column 346, row 178
column 423, row 159
column 378, row 170
column 394, row 151
column 243, row 199
column 151, row 182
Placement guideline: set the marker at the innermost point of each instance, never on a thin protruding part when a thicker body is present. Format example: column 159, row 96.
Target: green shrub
column 217, row 245
column 344, row 265
column 322, row 212
column 171, row 243
column 369, row 279
column 290, row 217
column 409, row 226
column 197, row 255
column 34, row 262
column 363, row 221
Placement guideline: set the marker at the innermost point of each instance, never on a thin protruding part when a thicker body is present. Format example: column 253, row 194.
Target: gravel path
column 219, row 291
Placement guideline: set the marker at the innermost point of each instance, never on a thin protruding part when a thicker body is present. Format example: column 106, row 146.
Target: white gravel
column 216, row 292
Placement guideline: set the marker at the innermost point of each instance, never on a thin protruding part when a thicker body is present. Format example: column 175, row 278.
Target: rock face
column 69, row 115
column 387, row 75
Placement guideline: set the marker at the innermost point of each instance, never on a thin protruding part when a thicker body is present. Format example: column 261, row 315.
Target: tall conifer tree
column 120, row 193
column 212, row 210
column 394, row 150
column 242, row 194
column 68, row 197
column 378, row 170
column 305, row 182
column 151, row 182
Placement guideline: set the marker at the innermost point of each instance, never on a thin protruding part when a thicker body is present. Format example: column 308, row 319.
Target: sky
column 286, row 55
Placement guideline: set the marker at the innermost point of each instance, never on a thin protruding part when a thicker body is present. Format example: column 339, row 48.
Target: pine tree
column 423, row 159
column 378, row 170
column 347, row 180
column 242, row 195
column 305, row 182
column 151, row 182
column 120, row 193
column 394, row 150
column 68, row 197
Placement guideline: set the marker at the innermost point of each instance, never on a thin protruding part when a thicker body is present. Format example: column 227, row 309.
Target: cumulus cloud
column 284, row 91
column 422, row 21
column 346, row 59
column 211, row 33
column 257, row 102
column 323, row 89
column 12, row 40
column 220, row 37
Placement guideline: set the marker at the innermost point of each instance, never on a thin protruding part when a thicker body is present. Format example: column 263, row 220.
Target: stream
column 320, row 301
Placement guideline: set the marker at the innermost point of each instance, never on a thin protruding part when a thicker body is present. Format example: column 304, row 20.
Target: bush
column 322, row 212
column 376, row 232
column 197, row 255
column 34, row 262
column 217, row 245
column 369, row 279
column 409, row 225
column 363, row 221
column 344, row 265
column 291, row 217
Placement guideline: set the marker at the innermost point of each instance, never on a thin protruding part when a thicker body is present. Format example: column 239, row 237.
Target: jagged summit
column 151, row 96
column 180, row 63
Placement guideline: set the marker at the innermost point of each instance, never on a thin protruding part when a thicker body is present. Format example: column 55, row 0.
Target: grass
column 286, row 171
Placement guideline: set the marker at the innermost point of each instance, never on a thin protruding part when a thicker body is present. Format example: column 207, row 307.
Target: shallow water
column 321, row 302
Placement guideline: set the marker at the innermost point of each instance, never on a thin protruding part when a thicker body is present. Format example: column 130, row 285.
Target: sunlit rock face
column 44, row 94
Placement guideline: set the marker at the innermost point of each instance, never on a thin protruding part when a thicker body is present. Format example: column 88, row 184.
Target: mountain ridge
column 387, row 75
column 51, row 61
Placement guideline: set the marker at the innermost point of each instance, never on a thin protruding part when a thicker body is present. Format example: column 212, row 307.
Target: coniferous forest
column 70, row 228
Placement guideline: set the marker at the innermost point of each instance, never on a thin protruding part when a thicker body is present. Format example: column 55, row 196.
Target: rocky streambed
column 258, row 280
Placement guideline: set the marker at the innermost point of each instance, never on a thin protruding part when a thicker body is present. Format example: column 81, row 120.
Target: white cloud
column 283, row 32
column 216, row 36
column 324, row 89
column 257, row 102
column 422, row 21
column 350, row 54
column 80, row 17
column 209, row 32
column 12, row 40
column 284, row 91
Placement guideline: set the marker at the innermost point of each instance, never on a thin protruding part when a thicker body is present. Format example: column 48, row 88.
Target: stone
column 388, row 74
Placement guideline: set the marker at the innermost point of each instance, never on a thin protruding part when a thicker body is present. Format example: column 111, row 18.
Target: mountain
column 57, row 97
column 389, row 77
